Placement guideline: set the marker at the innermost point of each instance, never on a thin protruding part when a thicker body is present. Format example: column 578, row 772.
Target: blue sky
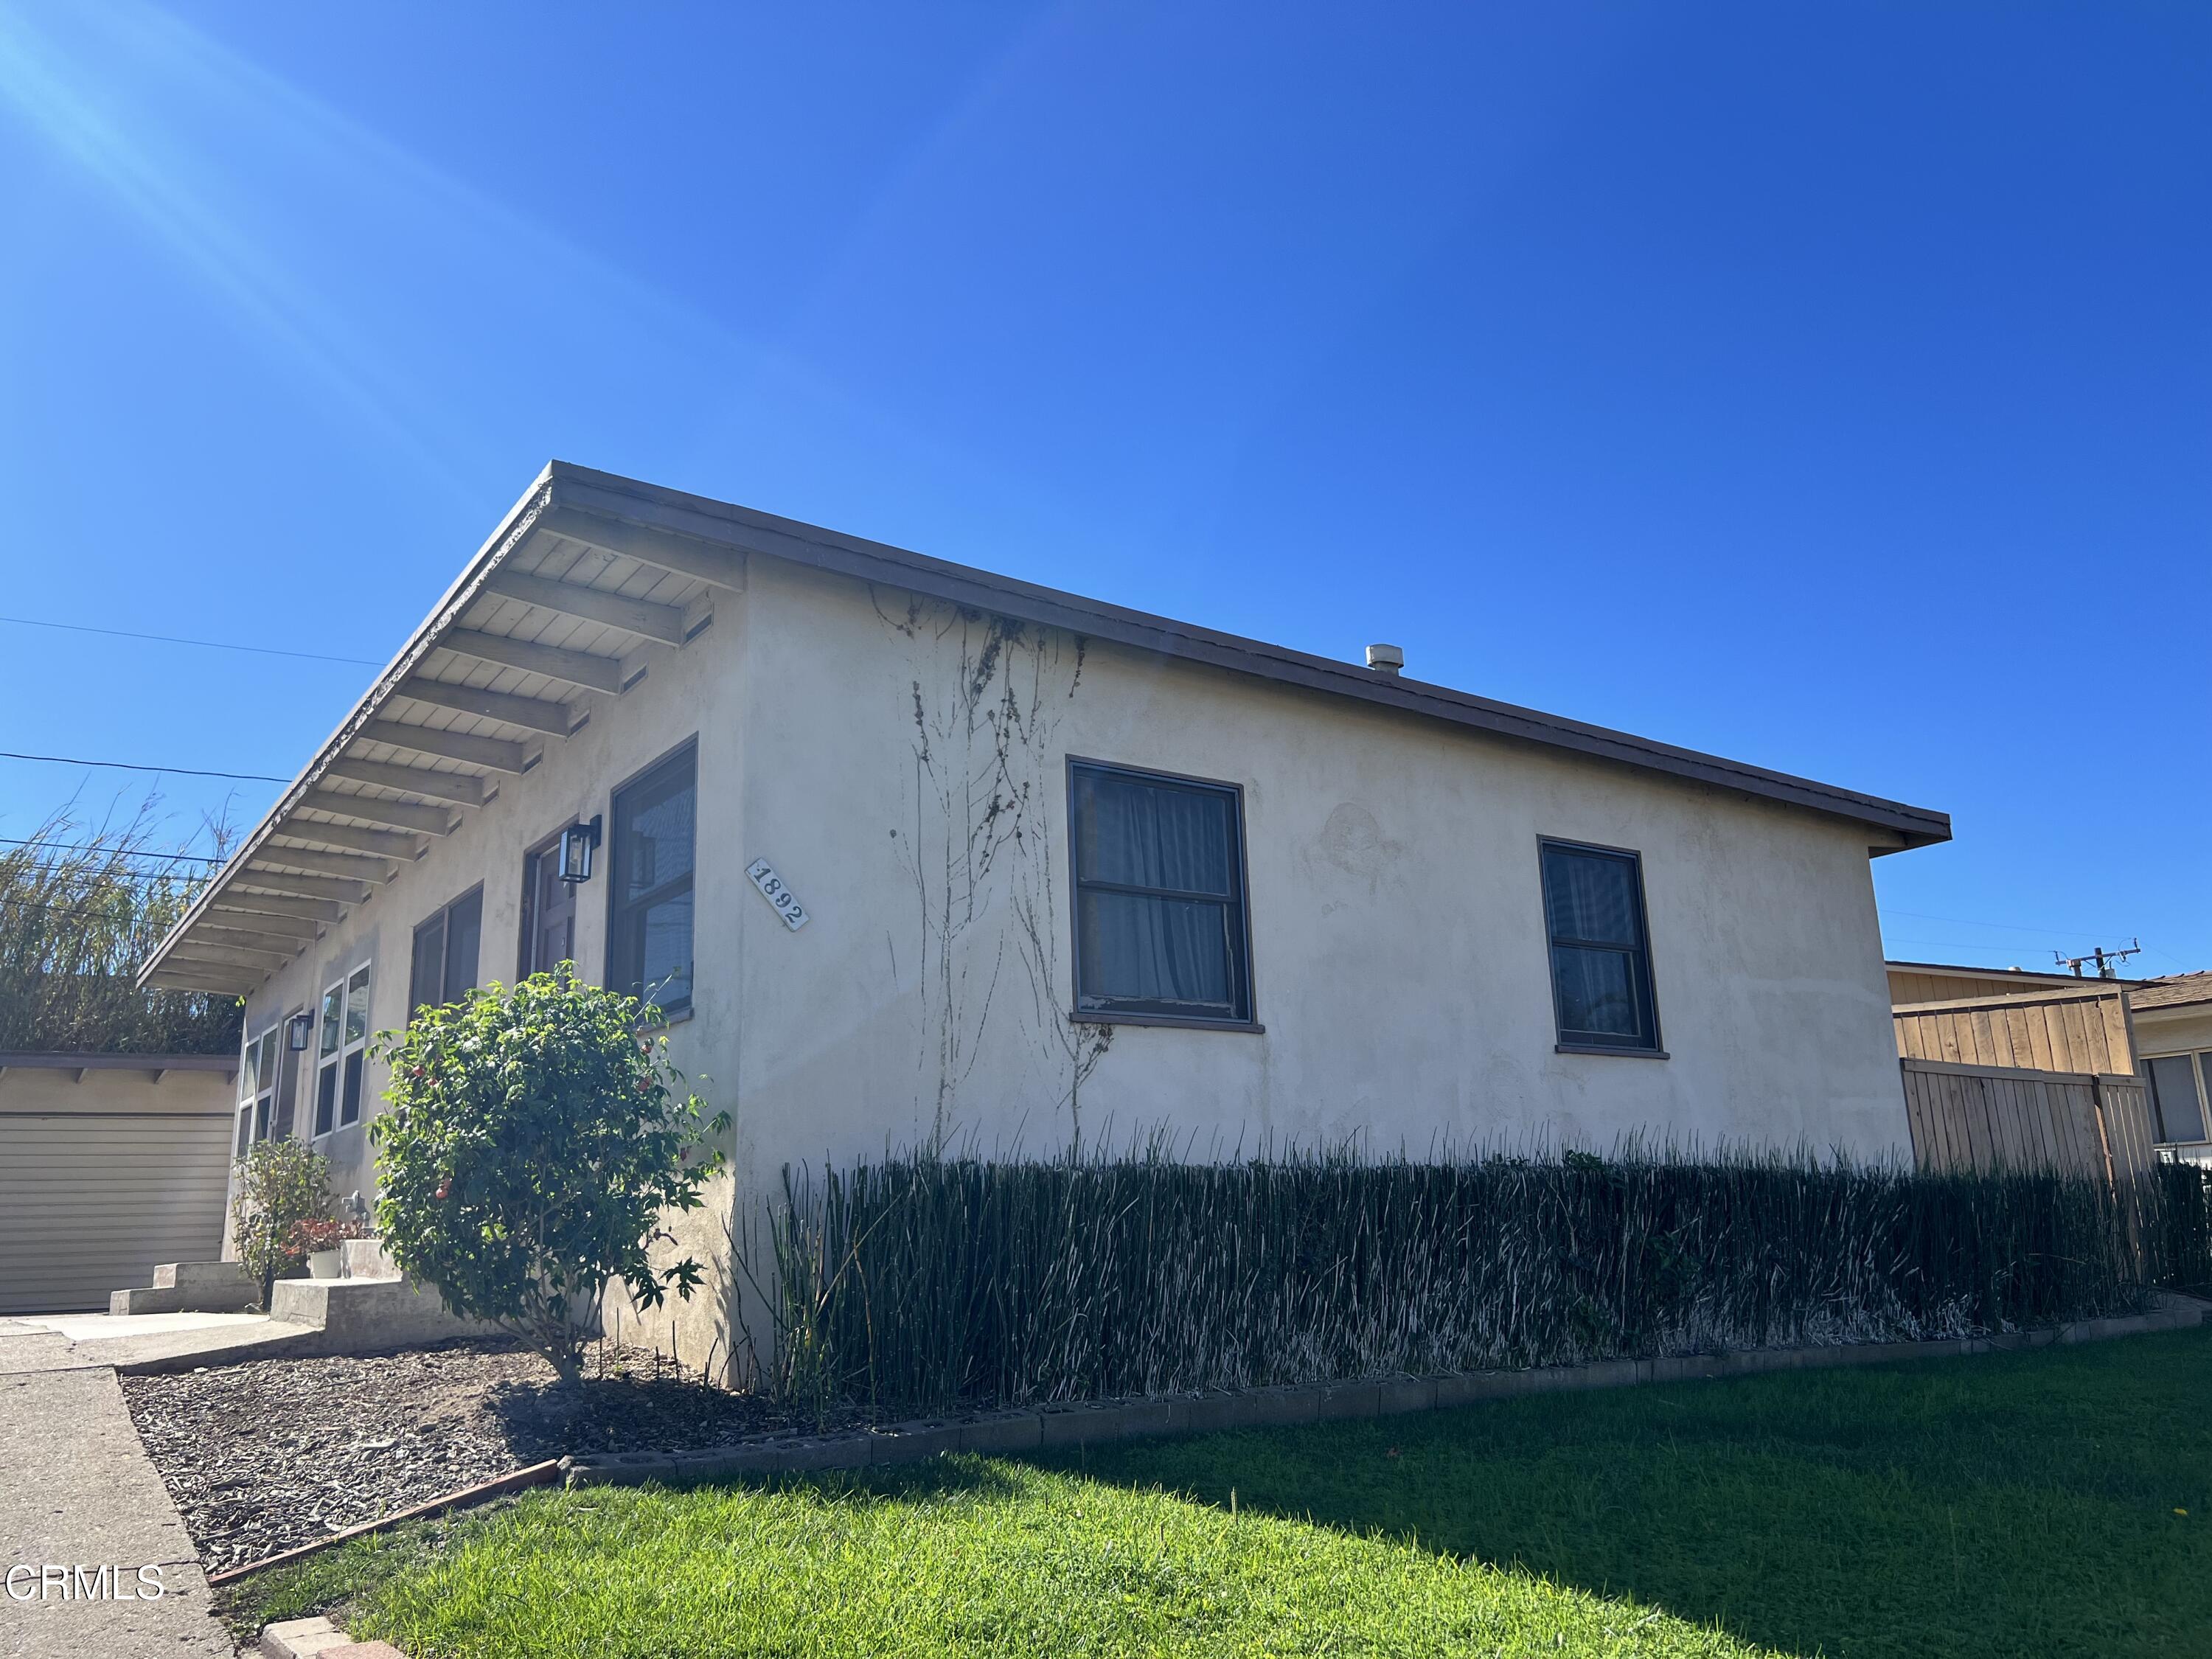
column 1823, row 386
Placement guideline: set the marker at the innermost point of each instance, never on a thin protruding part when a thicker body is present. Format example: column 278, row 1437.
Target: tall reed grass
column 2178, row 1230
column 81, row 907
column 922, row 1284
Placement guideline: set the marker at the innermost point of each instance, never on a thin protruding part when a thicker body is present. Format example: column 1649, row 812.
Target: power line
column 59, row 910
column 172, row 639
column 152, row 875
column 2000, row 926
column 129, row 766
column 116, row 852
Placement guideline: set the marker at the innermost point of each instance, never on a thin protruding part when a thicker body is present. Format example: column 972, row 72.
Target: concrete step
column 190, row 1287
column 364, row 1258
column 358, row 1316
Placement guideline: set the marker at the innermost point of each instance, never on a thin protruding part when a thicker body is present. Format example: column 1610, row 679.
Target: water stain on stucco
column 1353, row 841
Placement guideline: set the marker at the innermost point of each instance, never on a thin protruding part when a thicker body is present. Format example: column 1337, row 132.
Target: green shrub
column 536, row 1139
column 920, row 1283
column 280, row 1183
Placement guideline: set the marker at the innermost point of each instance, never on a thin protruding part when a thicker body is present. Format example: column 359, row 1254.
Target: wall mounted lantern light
column 299, row 1030
column 578, row 842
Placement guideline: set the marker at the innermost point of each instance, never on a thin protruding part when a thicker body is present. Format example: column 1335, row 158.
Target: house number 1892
column 773, row 890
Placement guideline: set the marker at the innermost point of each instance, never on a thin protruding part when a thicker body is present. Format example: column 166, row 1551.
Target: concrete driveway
column 77, row 1495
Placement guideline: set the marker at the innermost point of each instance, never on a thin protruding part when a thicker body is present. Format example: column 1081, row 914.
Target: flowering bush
column 534, row 1142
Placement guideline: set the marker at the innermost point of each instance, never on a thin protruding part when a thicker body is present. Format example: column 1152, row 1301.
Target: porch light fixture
column 299, row 1030
column 578, row 841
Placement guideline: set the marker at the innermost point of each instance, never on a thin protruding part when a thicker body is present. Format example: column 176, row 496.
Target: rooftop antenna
column 2108, row 961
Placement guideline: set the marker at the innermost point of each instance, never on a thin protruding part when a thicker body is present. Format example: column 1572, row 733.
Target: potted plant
column 318, row 1239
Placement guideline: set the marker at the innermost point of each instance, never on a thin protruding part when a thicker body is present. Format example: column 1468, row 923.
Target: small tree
column 281, row 1183
column 535, row 1141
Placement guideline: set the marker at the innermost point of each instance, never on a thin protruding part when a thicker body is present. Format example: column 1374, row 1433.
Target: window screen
column 444, row 968
column 1600, row 960
column 649, row 896
column 2174, row 1095
column 1159, row 897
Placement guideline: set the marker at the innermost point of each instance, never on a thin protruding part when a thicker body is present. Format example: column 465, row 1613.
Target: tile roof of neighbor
column 664, row 549
column 2174, row 991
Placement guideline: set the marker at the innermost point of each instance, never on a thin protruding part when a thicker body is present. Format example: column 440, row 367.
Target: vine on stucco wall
column 987, row 697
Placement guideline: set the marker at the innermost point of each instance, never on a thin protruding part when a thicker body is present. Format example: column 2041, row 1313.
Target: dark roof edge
column 1898, row 964
column 611, row 495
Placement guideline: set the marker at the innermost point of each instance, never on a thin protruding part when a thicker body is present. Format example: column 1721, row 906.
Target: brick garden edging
column 311, row 1638
column 1137, row 1419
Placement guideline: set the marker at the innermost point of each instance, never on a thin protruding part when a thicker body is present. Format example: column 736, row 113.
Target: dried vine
column 985, row 702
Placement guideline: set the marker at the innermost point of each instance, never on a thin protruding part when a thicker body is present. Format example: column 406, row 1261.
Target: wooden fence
column 1980, row 1117
column 2062, row 1030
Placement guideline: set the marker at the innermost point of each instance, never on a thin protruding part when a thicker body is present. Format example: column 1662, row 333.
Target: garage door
column 90, row 1203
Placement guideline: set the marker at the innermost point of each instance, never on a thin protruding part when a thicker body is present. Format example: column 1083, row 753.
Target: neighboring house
column 2173, row 1033
column 1943, row 981
column 2158, row 1031
column 109, row 1163
column 912, row 853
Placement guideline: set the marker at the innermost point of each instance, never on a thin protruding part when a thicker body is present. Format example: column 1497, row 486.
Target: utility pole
column 2108, row 961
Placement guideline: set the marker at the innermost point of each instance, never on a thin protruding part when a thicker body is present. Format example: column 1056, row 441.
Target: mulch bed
column 266, row 1457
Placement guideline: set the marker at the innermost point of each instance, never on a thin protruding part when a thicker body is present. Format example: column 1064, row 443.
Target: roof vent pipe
column 1386, row 658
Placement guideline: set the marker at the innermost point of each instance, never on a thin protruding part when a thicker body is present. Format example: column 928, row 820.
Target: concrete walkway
column 77, row 1493
column 103, row 1328
column 133, row 1342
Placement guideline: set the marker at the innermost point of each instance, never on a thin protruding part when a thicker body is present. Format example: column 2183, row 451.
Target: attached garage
column 108, row 1165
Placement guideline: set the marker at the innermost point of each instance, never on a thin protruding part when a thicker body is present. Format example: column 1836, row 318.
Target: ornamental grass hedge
column 923, row 1283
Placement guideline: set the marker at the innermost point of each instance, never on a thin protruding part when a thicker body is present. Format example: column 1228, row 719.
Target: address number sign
column 773, row 890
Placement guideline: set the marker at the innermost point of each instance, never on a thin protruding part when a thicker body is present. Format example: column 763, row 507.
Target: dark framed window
column 548, row 911
column 651, row 858
column 446, row 951
column 1161, row 924
column 1601, row 949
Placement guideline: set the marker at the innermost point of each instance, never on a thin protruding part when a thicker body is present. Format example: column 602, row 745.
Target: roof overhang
column 590, row 577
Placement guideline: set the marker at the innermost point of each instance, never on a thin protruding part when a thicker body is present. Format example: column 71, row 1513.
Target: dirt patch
column 266, row 1457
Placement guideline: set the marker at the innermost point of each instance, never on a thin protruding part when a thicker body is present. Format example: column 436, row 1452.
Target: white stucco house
column 911, row 852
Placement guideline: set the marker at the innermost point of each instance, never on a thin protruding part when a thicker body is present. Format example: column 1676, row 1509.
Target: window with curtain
column 1159, row 897
column 446, row 949
column 1601, row 958
column 649, row 894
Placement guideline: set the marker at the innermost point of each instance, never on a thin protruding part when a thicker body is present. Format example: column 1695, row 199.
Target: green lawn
column 2029, row 1503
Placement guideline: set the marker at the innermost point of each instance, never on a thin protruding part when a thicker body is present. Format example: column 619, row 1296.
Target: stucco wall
column 2176, row 1030
column 855, row 738
column 1399, row 953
